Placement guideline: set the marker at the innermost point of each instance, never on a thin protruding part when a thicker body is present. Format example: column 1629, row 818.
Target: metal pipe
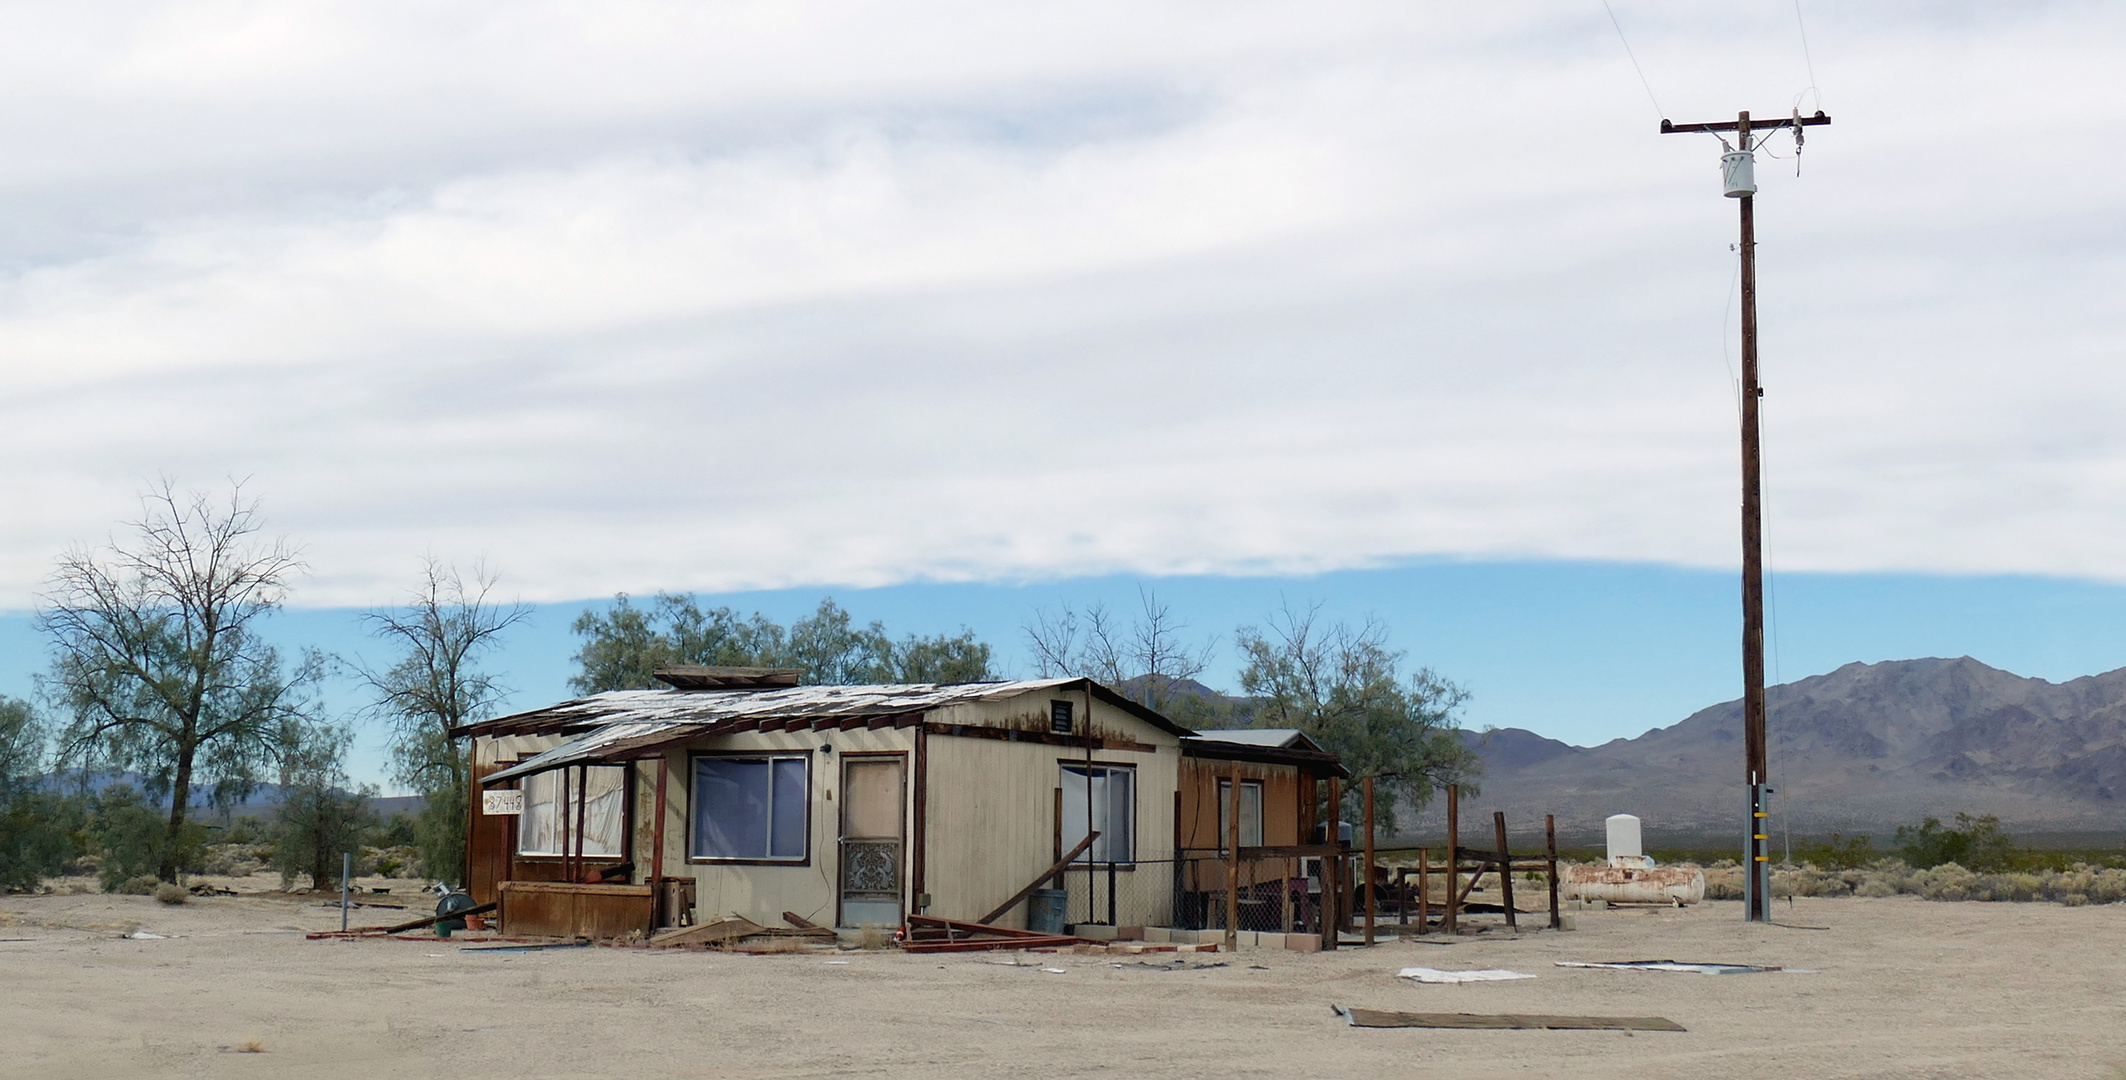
column 346, row 871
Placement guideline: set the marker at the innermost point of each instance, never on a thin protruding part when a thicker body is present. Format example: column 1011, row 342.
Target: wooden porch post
column 1372, row 902
column 1450, row 920
column 1232, row 861
column 1332, row 868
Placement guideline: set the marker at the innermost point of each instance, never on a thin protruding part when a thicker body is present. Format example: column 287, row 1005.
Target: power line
column 1658, row 110
column 1805, row 59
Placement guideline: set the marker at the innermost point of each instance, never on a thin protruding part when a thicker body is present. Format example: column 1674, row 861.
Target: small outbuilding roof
column 1277, row 746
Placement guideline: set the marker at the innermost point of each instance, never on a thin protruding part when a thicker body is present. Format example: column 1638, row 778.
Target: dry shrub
column 169, row 893
column 1723, row 882
column 249, row 1046
column 2079, row 884
column 143, row 885
column 874, row 937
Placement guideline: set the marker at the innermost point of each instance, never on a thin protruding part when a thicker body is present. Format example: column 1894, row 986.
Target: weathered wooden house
column 736, row 791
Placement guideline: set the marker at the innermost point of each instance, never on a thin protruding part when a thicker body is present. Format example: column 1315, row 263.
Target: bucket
column 1045, row 910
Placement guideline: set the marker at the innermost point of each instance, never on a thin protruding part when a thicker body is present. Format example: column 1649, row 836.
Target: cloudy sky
column 779, row 295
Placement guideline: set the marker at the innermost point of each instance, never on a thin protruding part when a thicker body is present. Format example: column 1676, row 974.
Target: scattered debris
column 143, row 935
column 1056, row 971
column 248, row 1046
column 526, row 948
column 1435, row 975
column 1669, row 965
column 1377, row 1018
column 931, row 935
column 203, row 888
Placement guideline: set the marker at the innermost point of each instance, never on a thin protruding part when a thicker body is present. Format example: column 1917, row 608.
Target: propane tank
column 1625, row 848
column 1738, row 173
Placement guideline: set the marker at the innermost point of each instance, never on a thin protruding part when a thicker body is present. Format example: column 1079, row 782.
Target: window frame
column 694, row 804
column 1066, row 712
column 1080, row 766
column 627, row 820
column 1224, row 788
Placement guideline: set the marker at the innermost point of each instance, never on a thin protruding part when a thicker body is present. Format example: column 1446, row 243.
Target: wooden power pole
column 1738, row 170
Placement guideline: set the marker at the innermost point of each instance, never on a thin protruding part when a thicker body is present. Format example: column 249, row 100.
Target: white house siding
column 991, row 821
column 763, row 892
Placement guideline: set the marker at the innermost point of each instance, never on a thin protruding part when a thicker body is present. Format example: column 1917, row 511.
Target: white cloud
column 644, row 296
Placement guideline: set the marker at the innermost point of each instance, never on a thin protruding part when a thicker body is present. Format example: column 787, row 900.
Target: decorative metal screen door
column 873, row 795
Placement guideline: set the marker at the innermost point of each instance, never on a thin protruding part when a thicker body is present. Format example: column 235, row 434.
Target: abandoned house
column 736, row 791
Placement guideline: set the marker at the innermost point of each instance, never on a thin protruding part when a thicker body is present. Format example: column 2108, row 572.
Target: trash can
column 1045, row 910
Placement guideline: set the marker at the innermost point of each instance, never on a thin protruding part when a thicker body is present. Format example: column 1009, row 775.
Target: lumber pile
column 733, row 929
column 925, row 934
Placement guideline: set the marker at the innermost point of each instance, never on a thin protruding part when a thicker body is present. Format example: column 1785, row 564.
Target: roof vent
column 693, row 677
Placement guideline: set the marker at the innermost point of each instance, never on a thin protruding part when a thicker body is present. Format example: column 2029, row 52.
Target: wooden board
column 1377, row 1018
column 713, row 932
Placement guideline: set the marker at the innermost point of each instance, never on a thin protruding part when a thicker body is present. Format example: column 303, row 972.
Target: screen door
column 873, row 797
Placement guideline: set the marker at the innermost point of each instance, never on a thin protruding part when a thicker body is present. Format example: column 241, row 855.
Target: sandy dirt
column 1898, row 988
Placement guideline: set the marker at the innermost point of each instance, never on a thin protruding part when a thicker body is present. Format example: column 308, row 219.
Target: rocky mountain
column 1862, row 749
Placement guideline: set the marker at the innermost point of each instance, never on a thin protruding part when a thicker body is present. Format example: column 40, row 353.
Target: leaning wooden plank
column 1379, row 1018
column 1052, row 871
column 414, row 924
column 799, row 921
column 714, row 932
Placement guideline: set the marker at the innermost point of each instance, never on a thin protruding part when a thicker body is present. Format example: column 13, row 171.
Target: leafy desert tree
column 1976, row 843
column 625, row 644
column 1341, row 685
column 34, row 839
column 322, row 814
column 128, row 833
column 435, row 686
column 158, row 660
column 1151, row 659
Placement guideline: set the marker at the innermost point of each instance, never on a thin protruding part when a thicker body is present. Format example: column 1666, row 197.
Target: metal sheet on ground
column 1670, row 965
column 1380, row 1018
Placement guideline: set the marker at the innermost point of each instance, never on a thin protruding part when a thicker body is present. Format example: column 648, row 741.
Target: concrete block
column 1303, row 942
column 1565, row 922
column 1129, row 933
column 1093, row 932
column 1266, row 940
column 1158, row 934
column 1245, row 939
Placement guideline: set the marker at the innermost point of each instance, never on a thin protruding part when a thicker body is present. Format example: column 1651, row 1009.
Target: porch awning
column 611, row 743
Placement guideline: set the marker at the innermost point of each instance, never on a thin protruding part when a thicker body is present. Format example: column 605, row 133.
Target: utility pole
column 1738, row 171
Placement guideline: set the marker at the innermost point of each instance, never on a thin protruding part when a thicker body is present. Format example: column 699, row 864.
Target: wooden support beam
column 1332, row 869
column 1232, row 860
column 1449, row 921
column 1372, row 902
column 1550, row 856
column 1052, row 871
column 1505, row 868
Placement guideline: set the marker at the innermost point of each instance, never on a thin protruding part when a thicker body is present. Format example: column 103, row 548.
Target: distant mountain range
column 1862, row 749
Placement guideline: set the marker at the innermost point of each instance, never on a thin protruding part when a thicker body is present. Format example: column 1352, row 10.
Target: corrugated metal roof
column 629, row 719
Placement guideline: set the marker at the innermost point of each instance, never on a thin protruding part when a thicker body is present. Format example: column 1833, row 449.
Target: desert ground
column 1896, row 987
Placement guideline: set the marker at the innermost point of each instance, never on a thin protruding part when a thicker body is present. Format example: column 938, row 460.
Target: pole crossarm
column 1755, row 125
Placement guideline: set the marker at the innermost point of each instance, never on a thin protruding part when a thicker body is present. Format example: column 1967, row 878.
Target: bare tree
column 436, row 686
column 158, row 661
column 1146, row 659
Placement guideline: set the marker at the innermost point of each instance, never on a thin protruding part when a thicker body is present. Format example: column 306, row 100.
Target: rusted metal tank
column 1635, row 885
column 1630, row 876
